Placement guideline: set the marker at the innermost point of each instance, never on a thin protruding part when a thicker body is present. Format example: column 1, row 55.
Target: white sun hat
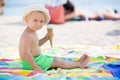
column 37, row 8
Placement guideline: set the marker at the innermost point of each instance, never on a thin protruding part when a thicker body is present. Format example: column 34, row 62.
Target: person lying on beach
column 67, row 11
column 71, row 12
column 29, row 46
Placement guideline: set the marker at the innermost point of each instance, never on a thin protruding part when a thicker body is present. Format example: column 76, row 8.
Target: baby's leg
column 59, row 63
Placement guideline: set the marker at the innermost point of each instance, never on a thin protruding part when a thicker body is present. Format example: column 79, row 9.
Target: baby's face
column 35, row 20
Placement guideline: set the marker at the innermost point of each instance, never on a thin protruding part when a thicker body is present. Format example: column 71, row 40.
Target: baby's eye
column 35, row 20
column 41, row 21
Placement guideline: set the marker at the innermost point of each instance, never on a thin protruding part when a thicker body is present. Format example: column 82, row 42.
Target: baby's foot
column 84, row 59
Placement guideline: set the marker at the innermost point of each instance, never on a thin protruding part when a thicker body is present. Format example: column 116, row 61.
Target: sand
column 91, row 33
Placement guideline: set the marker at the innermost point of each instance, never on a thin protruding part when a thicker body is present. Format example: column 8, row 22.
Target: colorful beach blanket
column 96, row 69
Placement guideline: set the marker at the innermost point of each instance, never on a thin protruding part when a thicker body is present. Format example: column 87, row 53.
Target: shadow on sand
column 114, row 33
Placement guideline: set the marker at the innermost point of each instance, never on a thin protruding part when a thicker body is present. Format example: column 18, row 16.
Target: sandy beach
column 91, row 33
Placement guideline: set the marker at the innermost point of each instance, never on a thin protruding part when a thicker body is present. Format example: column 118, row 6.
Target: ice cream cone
column 50, row 32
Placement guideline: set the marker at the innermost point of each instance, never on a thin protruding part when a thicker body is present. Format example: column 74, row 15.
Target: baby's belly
column 35, row 51
column 36, row 54
column 23, row 57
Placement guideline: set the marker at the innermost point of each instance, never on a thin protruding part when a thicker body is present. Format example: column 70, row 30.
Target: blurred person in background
column 2, row 4
column 70, row 11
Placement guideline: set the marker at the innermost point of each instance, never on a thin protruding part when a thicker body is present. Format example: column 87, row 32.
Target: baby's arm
column 28, row 55
column 44, row 39
column 31, row 61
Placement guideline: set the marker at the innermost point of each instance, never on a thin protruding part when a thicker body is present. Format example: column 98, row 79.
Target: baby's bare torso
column 33, row 45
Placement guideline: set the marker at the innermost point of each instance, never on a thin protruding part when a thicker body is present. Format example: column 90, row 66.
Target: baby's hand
column 40, row 71
column 49, row 35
